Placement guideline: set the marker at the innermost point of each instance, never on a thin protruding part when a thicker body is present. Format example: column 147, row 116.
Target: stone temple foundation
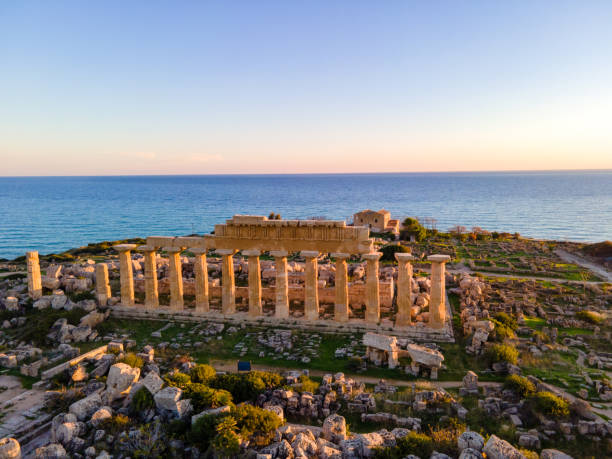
column 253, row 236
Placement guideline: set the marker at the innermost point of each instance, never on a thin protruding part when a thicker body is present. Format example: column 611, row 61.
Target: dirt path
column 230, row 367
column 595, row 268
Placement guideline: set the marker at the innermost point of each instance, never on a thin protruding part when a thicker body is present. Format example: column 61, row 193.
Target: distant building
column 378, row 221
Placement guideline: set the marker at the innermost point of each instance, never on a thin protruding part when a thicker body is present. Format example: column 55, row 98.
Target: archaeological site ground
column 272, row 338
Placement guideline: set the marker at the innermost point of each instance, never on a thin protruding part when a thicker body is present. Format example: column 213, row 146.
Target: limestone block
column 496, row 448
column 10, row 448
column 167, row 398
column 11, row 303
column 85, row 407
column 334, row 428
column 120, row 379
column 470, row 439
column 106, row 412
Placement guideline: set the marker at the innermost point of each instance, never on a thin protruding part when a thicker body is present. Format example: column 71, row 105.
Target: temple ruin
column 254, row 236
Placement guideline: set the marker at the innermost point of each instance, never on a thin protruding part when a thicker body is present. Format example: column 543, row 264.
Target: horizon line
column 314, row 173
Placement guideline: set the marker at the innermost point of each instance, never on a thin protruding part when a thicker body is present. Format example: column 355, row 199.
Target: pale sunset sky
column 206, row 87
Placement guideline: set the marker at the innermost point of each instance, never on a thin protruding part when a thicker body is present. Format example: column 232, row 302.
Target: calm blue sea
column 51, row 214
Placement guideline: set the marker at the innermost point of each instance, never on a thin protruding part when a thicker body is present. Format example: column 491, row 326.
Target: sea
column 53, row 214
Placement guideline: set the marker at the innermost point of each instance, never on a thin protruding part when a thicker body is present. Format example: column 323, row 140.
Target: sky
column 206, row 87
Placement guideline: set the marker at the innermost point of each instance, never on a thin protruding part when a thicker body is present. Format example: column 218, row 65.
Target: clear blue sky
column 121, row 87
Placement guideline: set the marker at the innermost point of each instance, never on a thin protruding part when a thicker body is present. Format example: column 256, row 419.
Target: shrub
column 551, row 405
column 529, row 454
column 412, row 227
column 389, row 251
column 203, row 397
column 501, row 331
column 308, row 385
column 590, row 316
column 177, row 379
column 506, row 320
column 132, row 360
column 203, row 431
column 116, row 424
column 246, row 386
column 415, row 443
column 502, row 353
column 227, row 442
column 519, row 384
column 202, row 374
column 355, row 363
column 445, row 439
column 80, row 296
column 256, row 423
column 142, row 401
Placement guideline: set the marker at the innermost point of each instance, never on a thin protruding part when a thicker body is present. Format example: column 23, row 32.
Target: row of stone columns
column 437, row 307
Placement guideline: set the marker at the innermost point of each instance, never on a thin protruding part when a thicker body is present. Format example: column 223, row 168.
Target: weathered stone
column 85, row 407
column 9, row 448
column 167, row 398
column 470, row 439
column 52, row 451
column 106, row 412
column 496, row 448
column 554, row 454
column 334, row 428
column 120, row 378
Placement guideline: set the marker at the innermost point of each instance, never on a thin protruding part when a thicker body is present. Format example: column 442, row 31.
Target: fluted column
column 372, row 314
column 126, row 272
column 341, row 307
column 404, row 289
column 150, row 276
column 175, row 276
column 103, row 290
column 254, row 282
column 311, row 300
column 200, row 271
column 228, row 287
column 282, row 284
column 437, row 300
column 34, row 280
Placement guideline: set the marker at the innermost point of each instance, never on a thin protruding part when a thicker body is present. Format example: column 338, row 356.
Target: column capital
column 310, row 254
column 251, row 253
column 146, row 248
column 173, row 249
column 372, row 256
column 279, row 253
column 226, row 252
column 198, row 251
column 438, row 258
column 124, row 247
column 340, row 256
column 404, row 257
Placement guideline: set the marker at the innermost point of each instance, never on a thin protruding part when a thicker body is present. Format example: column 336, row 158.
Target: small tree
column 411, row 227
column 227, row 442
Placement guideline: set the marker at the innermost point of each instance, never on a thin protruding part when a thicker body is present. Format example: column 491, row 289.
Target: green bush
column 246, row 386
column 227, row 442
column 502, row 353
column 502, row 332
column 590, row 316
column 116, row 424
column 519, row 384
column 412, row 227
column 142, row 401
column 389, row 251
column 80, row 296
column 203, row 397
column 132, row 360
column 202, row 374
column 204, row 430
column 177, row 379
column 551, row 405
column 257, row 424
column 308, row 385
column 415, row 443
column 506, row 320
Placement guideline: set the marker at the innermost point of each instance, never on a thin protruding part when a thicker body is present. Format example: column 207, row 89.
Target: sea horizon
column 55, row 213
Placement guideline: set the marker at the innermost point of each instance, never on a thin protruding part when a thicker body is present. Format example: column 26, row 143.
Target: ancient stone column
column 150, row 276
column 254, row 282
column 126, row 273
column 103, row 290
column 200, row 271
column 437, row 301
column 228, row 288
column 372, row 314
column 341, row 307
column 311, row 299
column 175, row 276
column 34, row 280
column 282, row 284
column 404, row 289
